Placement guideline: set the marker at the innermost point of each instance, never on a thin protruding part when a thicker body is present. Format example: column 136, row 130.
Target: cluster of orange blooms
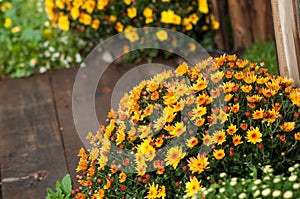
column 185, row 124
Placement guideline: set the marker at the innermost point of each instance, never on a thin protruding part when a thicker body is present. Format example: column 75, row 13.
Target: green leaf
column 66, row 184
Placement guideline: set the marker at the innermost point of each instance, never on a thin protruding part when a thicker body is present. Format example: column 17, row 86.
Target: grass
column 263, row 51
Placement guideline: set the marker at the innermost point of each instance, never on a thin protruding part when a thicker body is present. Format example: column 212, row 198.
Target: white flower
column 266, row 192
column 233, row 183
column 205, row 193
column 69, row 59
column 296, row 186
column 276, row 180
column 222, row 189
column 55, row 55
column 296, row 165
column 242, row 195
column 47, row 54
column 78, row 58
column 291, row 169
column 47, row 23
column 51, row 49
column 257, row 182
column 256, row 193
column 234, row 179
column 45, row 44
column 276, row 193
column 266, row 178
column 254, row 187
column 288, row 194
column 293, row 178
column 43, row 69
column 210, row 189
column 267, row 168
column 222, row 175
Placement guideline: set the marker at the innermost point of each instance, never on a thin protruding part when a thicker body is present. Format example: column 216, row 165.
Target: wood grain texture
column 287, row 38
column 62, row 84
column 31, row 152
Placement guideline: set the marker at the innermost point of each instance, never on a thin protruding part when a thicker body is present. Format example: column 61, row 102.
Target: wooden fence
column 242, row 22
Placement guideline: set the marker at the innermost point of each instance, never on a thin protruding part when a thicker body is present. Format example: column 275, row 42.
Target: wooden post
column 286, row 15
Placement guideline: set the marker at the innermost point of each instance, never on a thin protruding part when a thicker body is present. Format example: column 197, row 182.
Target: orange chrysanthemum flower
column 231, row 129
column 235, row 108
column 198, row 164
column 192, row 142
column 236, row 139
column 246, row 88
column 288, row 126
column 258, row 114
column 244, row 126
column 297, row 136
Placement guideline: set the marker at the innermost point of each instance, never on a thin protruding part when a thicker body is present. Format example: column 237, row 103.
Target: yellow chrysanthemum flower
column 219, row 137
column 153, row 191
column 207, row 140
column 203, row 6
column 85, row 19
column 127, row 2
column 254, row 135
column 219, row 154
column 119, row 27
column 122, row 177
column 131, row 12
column 192, row 142
column 192, row 187
column 147, row 12
column 161, row 35
column 182, row 69
column 178, row 129
column 95, row 24
column 174, row 155
column 7, row 22
column 63, row 23
column 102, row 4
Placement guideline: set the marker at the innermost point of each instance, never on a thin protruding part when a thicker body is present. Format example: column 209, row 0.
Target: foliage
column 263, row 51
column 98, row 20
column 224, row 115
column 30, row 44
column 63, row 189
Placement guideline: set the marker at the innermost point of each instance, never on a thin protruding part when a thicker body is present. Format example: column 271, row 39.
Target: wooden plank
column 31, row 151
column 259, row 20
column 62, row 83
column 221, row 36
column 240, row 22
column 287, row 38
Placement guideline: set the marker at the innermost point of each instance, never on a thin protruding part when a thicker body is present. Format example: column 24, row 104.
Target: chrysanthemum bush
column 174, row 134
column 95, row 20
